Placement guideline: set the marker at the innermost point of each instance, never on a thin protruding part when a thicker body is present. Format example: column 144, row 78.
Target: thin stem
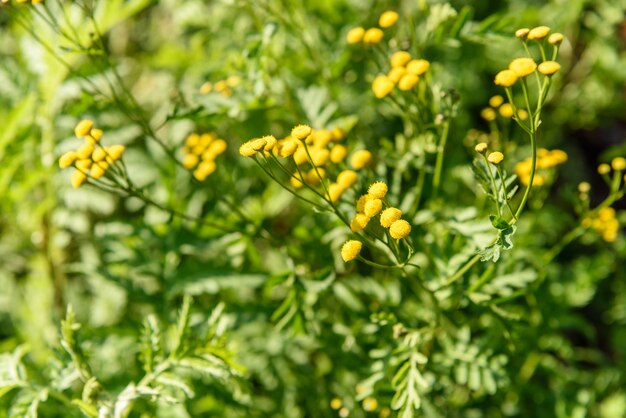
column 496, row 190
column 440, row 153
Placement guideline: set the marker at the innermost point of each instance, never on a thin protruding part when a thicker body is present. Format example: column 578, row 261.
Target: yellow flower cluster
column 91, row 159
column 497, row 106
column 605, row 223
column 618, row 164
column 405, row 74
column 546, row 160
column 372, row 35
column 200, row 152
column 224, row 87
column 372, row 204
column 25, row 1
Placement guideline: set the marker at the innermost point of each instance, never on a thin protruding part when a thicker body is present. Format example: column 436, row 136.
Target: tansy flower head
column 396, row 73
column 98, row 170
column 116, row 151
column 83, row 128
column 584, row 187
column 619, row 163
column 418, row 67
column 382, row 86
column 270, row 142
column 360, row 203
column 347, row 178
column 556, row 39
column 495, row 157
column 78, row 178
column 359, row 222
column 539, row 32
column 370, row 404
column 378, row 190
column 338, row 153
column 67, row 159
column 373, row 207
column 206, row 168
column 481, row 148
column 98, row 154
column 407, row 82
column 373, row 36
column 246, row 149
column 522, row 66
column 399, row 59
column 399, row 229
column 360, row 159
column 505, row 78
column 320, row 156
column 96, row 134
column 301, row 132
column 351, row 250
column 388, row 19
column 335, row 191
column 85, row 151
column 288, row 148
column 355, row 35
column 488, row 114
column 389, row 216
column 83, row 165
column 190, row 161
column 548, row 67
column 522, row 33
column 506, row 110
column 495, row 101
column 604, row 169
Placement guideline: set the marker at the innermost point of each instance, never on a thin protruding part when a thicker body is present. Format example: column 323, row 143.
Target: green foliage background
column 180, row 319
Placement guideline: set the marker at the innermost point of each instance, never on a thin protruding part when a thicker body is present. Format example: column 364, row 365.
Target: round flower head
column 495, row 101
column 370, row 404
column 288, row 148
column 407, row 82
column 78, row 178
column 619, row 163
column 360, row 204
column 396, row 73
column 399, row 229
column 378, row 190
column 584, row 187
column 399, row 59
column 338, row 153
column 85, row 151
column 418, row 67
column 270, row 143
column 539, row 32
column 83, row 128
column 116, row 151
column 506, row 110
column 522, row 33
column 373, row 36
column 205, row 169
column 355, row 35
column 548, row 67
column 360, row 159
column 488, row 114
column 320, row 156
column 481, row 148
column 83, row 165
column 373, row 207
column 301, row 132
column 300, row 156
column 98, row 154
column 335, row 191
column 505, row 78
column 522, row 66
column 313, row 178
column 295, row 181
column 96, row 134
column 388, row 19
column 246, row 149
column 604, row 169
column 389, row 216
column 382, row 86
column 351, row 250
column 337, row 134
column 556, row 39
column 347, row 178
column 495, row 157
column 98, row 170
column 359, row 222
column 67, row 159
column 190, row 161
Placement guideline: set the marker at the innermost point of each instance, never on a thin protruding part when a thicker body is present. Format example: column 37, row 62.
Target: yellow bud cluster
column 373, row 204
column 405, row 72
column 24, row 1
column 200, row 152
column 223, row 87
column 91, row 159
column 546, row 161
column 497, row 106
column 605, row 223
column 372, row 36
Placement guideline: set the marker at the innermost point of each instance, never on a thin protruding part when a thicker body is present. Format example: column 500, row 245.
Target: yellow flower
column 98, row 170
column 488, row 114
column 505, row 78
column 205, row 169
column 557, row 157
column 335, row 403
column 619, row 163
column 313, row 178
column 83, row 128
column 295, row 181
column 78, row 178
column 604, row 169
column 84, row 151
column 83, row 165
column 206, row 88
column 370, row 404
column 321, row 138
column 389, row 216
column 338, row 153
column 190, row 161
column 522, row 114
column 556, row 39
column 396, row 73
column 98, row 154
column 373, row 207
column 548, row 67
column 192, row 140
column 539, row 32
column 335, row 191
column 355, row 35
column 496, row 100
column 216, row 148
column 206, row 139
column 67, row 159
column 360, row 203
column 359, row 222
column 246, row 149
column 522, row 67
column 407, row 82
column 481, row 148
column 288, row 148
column 270, row 143
column 337, row 134
column 382, row 86
column 378, row 190
column 320, row 156
column 506, row 110
column 522, row 33
column 418, row 67
column 495, row 157
column 399, row 229
column 301, row 132
column 116, row 151
column 399, row 59
column 96, row 134
column 388, row 19
column 351, row 250
column 300, row 156
column 347, row 178
column 373, row 36
column 360, row 159
column 584, row 187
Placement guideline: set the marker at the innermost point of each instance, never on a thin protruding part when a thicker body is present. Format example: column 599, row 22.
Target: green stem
column 440, row 151
column 496, row 190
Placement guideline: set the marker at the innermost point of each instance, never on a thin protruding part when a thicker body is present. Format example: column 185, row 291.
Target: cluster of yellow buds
column 372, row 35
column 200, row 152
column 372, row 204
column 605, row 223
column 497, row 106
column 312, row 151
column 90, row 159
column 618, row 164
column 494, row 158
column 523, row 67
column 546, row 161
column 405, row 73
column 223, row 87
